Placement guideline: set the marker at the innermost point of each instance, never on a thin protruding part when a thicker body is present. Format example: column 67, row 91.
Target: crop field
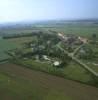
column 81, row 30
column 20, row 83
column 19, row 42
column 16, row 30
column 5, row 46
column 10, row 44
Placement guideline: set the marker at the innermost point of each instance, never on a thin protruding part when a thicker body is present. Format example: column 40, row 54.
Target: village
column 59, row 50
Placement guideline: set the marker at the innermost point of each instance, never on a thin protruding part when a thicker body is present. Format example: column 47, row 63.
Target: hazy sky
column 23, row 10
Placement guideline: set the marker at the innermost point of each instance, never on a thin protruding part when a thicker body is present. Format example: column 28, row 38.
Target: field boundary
column 54, row 74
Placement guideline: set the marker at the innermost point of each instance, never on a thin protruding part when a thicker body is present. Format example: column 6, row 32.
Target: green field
column 18, row 83
column 78, row 29
column 19, row 42
column 82, row 29
column 10, row 44
column 5, row 46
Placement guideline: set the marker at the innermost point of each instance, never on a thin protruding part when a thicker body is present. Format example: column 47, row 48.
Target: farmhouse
column 56, row 63
column 46, row 58
column 84, row 40
column 62, row 36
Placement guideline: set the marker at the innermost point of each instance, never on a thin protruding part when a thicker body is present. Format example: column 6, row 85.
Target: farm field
column 77, row 29
column 16, row 30
column 73, row 71
column 20, row 83
column 5, row 46
column 19, row 42
column 10, row 44
column 81, row 29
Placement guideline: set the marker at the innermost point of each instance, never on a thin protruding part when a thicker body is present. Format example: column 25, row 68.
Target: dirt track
column 70, row 88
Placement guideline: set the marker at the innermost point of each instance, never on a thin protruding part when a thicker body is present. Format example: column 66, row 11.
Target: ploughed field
column 19, row 83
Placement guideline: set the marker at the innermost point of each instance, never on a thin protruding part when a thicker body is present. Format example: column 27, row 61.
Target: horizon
column 15, row 11
column 39, row 21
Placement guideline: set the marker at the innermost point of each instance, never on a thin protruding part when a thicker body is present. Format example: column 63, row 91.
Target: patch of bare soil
column 70, row 88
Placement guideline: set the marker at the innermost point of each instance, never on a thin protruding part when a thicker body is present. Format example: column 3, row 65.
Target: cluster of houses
column 72, row 39
column 69, row 39
column 46, row 58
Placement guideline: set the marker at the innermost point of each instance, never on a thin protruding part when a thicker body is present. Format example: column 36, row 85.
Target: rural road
column 71, row 55
column 77, row 49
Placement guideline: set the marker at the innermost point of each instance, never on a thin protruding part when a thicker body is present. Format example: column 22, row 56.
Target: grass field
column 5, row 46
column 20, row 83
column 16, row 31
column 81, row 30
column 10, row 44
column 20, row 41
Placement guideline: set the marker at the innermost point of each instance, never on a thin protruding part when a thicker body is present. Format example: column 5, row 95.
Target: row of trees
column 17, row 35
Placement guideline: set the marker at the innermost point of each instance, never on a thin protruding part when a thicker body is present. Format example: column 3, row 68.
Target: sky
column 32, row 10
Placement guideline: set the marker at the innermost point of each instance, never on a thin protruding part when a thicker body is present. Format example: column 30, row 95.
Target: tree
column 94, row 37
